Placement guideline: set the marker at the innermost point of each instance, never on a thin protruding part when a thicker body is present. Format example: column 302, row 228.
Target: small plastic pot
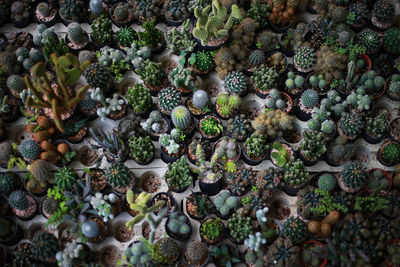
column 178, row 236
column 16, row 236
column 380, row 193
column 279, row 29
column 211, row 242
column 370, row 139
column 189, row 265
column 168, row 158
column 167, row 197
column 210, row 189
column 291, row 191
column 287, row 52
column 317, row 243
column 250, row 161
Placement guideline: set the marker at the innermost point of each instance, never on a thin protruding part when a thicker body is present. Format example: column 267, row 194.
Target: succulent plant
column 76, row 34
column 45, row 246
column 98, row 76
column 383, row 12
column 391, row 153
column 353, row 176
column 370, row 40
column 357, row 13
column 295, row 229
column 137, row 56
column 239, row 127
column 239, row 227
column 235, row 83
column 181, row 117
column 97, row 7
column 264, row 78
column 102, row 29
column 350, row 125
column 9, row 182
column 378, row 126
column 138, row 253
column 326, row 182
column 90, row 229
column 171, row 142
column 65, row 178
column 313, row 145
column 139, row 98
column 72, row 10
column 304, row 58
column 29, row 149
column 196, row 253
column 391, row 41
column 274, row 100
column 256, row 146
column 296, row 174
column 119, row 175
column 225, row 203
column 18, row 200
column 169, row 98
column 16, row 84
column 151, row 73
column 182, row 40
column 126, row 36
column 309, row 98
column 179, row 224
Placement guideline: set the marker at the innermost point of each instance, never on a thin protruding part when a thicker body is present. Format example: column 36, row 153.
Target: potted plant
column 196, row 254
column 179, row 40
column 20, row 15
column 210, row 128
column 76, row 38
column 226, row 204
column 391, row 210
column 390, row 39
column 165, row 251
column 304, row 59
column 146, row 10
column 293, row 136
column 23, row 205
column 153, row 76
column 74, row 253
column 226, row 105
column 12, row 231
column 236, row 83
column 383, row 64
column 122, row 14
column 155, row 125
column 264, row 79
column 178, row 176
column 198, row 205
column 178, row 226
column 168, row 200
column 353, row 176
column 283, row 252
column 389, row 153
column 94, row 229
column 45, row 247
column 339, row 151
column 312, row 147
column 168, row 99
column 209, row 37
column 276, row 60
column 107, row 206
column 370, row 40
column 172, row 146
column 46, row 13
column 391, row 252
column 254, row 150
column 282, row 16
column 212, row 230
column 394, row 129
column 183, row 79
column 278, row 100
column 378, row 180
column 294, row 84
column 357, row 15
column 240, row 179
column 99, row 76
column 308, row 101
column 120, row 178
column 152, row 37
column 125, row 37
column 102, row 33
column 182, row 120
column 225, row 255
column 318, row 83
column 239, row 127
column 255, row 59
column 199, row 104
column 225, row 150
column 383, row 14
column 312, row 254
column 350, row 126
column 393, row 90
column 281, row 153
column 141, row 149
column 239, row 228
column 376, row 128
column 295, row 175
column 177, row 12
column 202, row 62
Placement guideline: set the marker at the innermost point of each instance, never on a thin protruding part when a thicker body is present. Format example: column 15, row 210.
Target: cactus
column 178, row 174
column 102, row 29
column 119, row 175
column 165, row 251
column 141, row 148
column 391, row 41
column 28, row 58
column 45, row 246
column 18, row 200
column 203, row 61
column 98, row 76
column 16, row 84
column 126, row 36
column 181, row 117
column 68, row 71
column 350, row 125
column 304, row 58
column 378, row 126
column 326, row 182
column 9, row 182
column 200, row 99
column 72, row 252
column 72, row 10
column 357, row 13
column 369, row 40
column 239, row 127
column 295, row 230
column 196, row 253
column 169, row 98
column 178, row 224
column 138, row 253
column 137, row 56
column 90, row 229
column 259, row 11
column 40, row 170
column 256, row 58
column 29, row 149
column 235, row 83
column 256, row 146
column 210, row 22
column 139, row 98
column 65, row 178
column 180, row 40
column 353, row 177
column 87, row 103
column 151, row 36
column 391, row 153
column 265, row 78
column 383, row 12
column 182, row 77
column 76, row 34
column 313, row 145
column 151, row 73
column 296, row 174
column 145, row 212
column 96, row 7
column 309, row 98
column 239, row 227
column 225, row 203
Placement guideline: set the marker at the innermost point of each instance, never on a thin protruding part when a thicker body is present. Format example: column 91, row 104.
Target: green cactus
column 54, row 45
column 383, row 12
column 151, row 36
column 350, row 125
column 16, row 84
column 296, row 174
column 225, row 206
column 309, row 98
column 313, row 145
column 369, row 40
column 391, row 153
column 18, row 200
column 76, row 34
column 326, row 182
column 139, row 98
column 181, row 117
column 239, row 227
column 295, row 229
column 305, row 58
column 391, row 41
column 265, row 78
column 182, row 40
column 45, row 246
column 182, row 77
column 235, row 83
column 43, row 9
column 9, row 182
column 394, row 85
column 141, row 148
column 119, row 175
column 169, row 98
column 102, row 30
column 353, row 176
column 203, row 60
column 378, row 126
column 120, row 12
column 29, row 149
column 256, row 146
column 239, row 127
column 126, row 36
column 178, row 174
column 178, row 224
column 151, row 73
column 98, row 75
column 259, row 12
column 40, row 170
column 65, row 178
column 72, row 10
column 87, row 103
column 210, row 22
column 165, row 251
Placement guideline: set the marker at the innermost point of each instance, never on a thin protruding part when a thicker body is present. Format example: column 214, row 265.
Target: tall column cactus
column 211, row 24
column 57, row 98
column 145, row 212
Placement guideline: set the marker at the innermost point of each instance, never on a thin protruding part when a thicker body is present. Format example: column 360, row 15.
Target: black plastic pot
column 277, row 51
column 210, row 189
column 178, row 236
column 191, row 215
column 331, row 162
column 279, row 29
column 394, row 137
column 291, row 191
column 15, row 237
column 306, row 162
column 167, row 158
column 164, row 196
column 189, row 265
column 15, row 111
column 370, row 138
column 284, row 50
column 33, row 214
column 119, row 24
column 250, row 161
column 180, row 190
column 379, row 157
column 212, row 242
column 47, row 23
column 301, row 115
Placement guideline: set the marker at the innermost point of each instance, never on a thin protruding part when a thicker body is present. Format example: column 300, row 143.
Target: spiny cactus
column 18, row 200
column 16, row 84
column 304, row 58
column 178, row 224
column 309, row 98
column 165, row 251
column 295, row 229
column 264, row 78
column 353, row 176
column 98, row 75
column 118, row 175
column 45, row 246
column 76, row 34
column 181, row 117
column 9, row 182
column 391, row 41
column 139, row 98
column 350, row 125
column 370, row 40
column 29, row 149
column 327, row 182
column 72, row 10
column 169, row 98
column 235, row 83
column 65, row 178
column 40, row 170
column 383, row 13
column 391, row 153
column 96, row 6
column 126, row 36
